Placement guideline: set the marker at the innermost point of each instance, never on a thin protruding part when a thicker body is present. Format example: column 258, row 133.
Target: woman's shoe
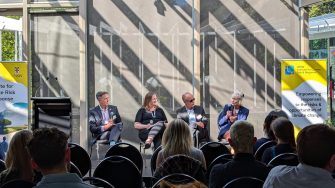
column 148, row 143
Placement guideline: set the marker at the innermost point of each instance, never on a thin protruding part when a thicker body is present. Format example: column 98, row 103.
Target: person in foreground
column 150, row 121
column 231, row 113
column 194, row 116
column 50, row 155
column 243, row 164
column 316, row 154
column 177, row 140
column 104, row 119
column 18, row 164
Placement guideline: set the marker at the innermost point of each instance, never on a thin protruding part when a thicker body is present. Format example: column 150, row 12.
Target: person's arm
column 118, row 117
column 163, row 116
column 93, row 122
column 222, row 118
column 244, row 115
column 138, row 121
column 202, row 124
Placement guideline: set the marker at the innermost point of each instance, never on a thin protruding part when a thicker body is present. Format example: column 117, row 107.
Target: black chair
column 222, row 159
column 18, row 184
column 259, row 152
column 74, row 169
column 119, row 171
column 212, row 150
column 2, row 165
column 154, row 158
column 98, row 182
column 289, row 159
column 127, row 150
column 80, row 158
column 181, row 164
column 176, row 179
column 242, row 182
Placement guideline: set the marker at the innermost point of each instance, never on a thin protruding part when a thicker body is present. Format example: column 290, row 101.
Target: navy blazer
column 198, row 110
column 224, row 123
column 95, row 118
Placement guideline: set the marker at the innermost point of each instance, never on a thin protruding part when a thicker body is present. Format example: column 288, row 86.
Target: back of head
column 177, row 138
column 315, row 145
column 283, row 130
column 18, row 156
column 274, row 114
column 242, row 137
column 47, row 148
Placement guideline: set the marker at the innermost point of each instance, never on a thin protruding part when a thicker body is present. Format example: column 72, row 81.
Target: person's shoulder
column 281, row 170
column 96, row 108
column 181, row 109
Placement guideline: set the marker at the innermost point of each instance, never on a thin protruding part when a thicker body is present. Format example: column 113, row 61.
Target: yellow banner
column 304, row 91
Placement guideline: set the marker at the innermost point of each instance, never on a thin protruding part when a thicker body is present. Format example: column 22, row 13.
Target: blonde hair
column 177, row 138
column 148, row 98
column 18, row 158
column 242, row 136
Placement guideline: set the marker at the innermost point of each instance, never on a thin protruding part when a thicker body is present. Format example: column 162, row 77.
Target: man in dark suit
column 194, row 116
column 244, row 163
column 104, row 119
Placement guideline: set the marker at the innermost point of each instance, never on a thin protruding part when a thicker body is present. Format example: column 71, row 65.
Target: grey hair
column 100, row 94
column 242, row 136
column 238, row 94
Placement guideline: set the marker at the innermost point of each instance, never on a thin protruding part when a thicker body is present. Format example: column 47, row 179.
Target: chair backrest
column 80, row 158
column 18, row 183
column 129, row 151
column 181, row 164
column 154, row 158
column 2, row 165
column 222, row 159
column 98, row 182
column 74, row 169
column 176, row 179
column 259, row 152
column 119, row 171
column 290, row 159
column 249, row 182
column 212, row 150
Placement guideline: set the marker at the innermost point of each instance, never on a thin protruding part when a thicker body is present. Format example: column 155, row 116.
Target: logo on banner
column 17, row 72
column 289, row 70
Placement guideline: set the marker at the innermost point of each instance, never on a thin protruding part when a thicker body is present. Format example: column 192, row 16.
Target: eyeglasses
column 192, row 100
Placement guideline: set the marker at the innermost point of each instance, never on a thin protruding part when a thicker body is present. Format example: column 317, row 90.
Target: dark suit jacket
column 198, row 110
column 224, row 123
column 243, row 164
column 95, row 118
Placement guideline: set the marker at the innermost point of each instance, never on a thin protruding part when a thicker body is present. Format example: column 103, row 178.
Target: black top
column 144, row 116
column 260, row 142
column 243, row 164
column 273, row 151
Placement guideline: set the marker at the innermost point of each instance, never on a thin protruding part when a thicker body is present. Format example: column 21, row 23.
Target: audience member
column 177, row 140
column 268, row 133
column 104, row 119
column 194, row 116
column 284, row 132
column 243, row 164
column 230, row 113
column 50, row 155
column 18, row 164
column 3, row 148
column 150, row 121
column 316, row 153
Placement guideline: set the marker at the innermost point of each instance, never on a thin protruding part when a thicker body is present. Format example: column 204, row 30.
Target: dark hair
column 47, row 147
column 148, row 98
column 283, row 129
column 274, row 114
column 100, row 94
column 316, row 145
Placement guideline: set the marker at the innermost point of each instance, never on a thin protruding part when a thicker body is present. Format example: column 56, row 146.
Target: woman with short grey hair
column 231, row 113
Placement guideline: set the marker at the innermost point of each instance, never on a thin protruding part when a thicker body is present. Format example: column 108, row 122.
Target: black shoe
column 147, row 145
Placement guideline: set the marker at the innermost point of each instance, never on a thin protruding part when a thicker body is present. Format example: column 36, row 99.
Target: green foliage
column 318, row 44
column 5, row 122
column 327, row 7
column 8, row 45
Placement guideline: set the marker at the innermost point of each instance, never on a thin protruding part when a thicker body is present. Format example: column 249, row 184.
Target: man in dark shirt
column 243, row 164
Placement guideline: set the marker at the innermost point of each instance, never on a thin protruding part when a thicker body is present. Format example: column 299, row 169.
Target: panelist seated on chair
column 104, row 119
column 231, row 113
column 194, row 116
column 150, row 121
